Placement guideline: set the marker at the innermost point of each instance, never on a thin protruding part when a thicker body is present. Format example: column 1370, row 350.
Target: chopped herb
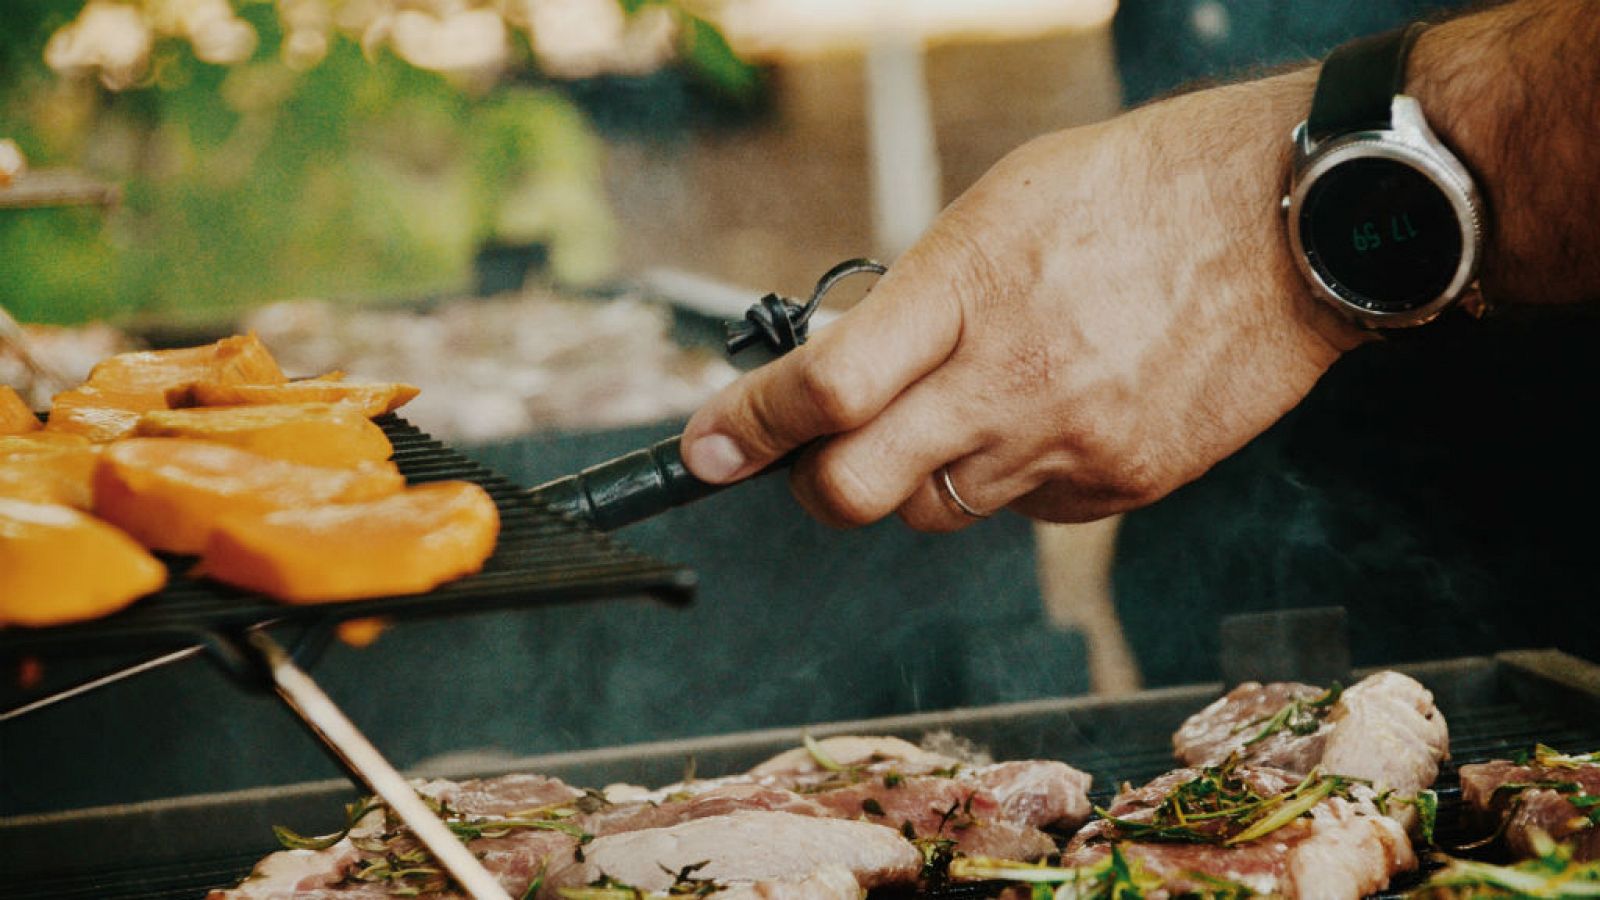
column 937, row 855
column 354, row 813
column 1545, row 755
column 1114, row 878
column 820, row 756
column 1426, row 804
column 871, row 807
column 536, row 883
column 684, row 884
column 592, row 801
column 908, row 831
column 893, row 779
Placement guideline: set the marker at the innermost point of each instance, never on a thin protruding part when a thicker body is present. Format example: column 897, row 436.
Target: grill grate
column 1479, row 732
column 540, row 558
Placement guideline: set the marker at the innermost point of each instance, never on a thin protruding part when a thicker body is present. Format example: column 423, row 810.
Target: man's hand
column 1105, row 315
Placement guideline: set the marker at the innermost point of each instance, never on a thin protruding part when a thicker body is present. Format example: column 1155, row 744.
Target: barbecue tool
column 647, row 482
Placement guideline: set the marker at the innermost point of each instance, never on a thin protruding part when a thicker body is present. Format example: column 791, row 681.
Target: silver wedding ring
column 955, row 498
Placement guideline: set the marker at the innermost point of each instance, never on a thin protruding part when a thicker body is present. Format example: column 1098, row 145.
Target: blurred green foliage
column 362, row 178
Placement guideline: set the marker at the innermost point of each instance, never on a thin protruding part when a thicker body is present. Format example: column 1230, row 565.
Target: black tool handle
column 634, row 487
column 627, row 489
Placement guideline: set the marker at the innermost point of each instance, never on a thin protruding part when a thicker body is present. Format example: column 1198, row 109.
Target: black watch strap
column 1358, row 84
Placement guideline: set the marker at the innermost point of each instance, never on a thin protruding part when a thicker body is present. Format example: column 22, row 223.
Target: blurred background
column 540, row 211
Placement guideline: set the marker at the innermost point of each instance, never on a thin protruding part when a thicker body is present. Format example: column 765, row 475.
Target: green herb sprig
column 1116, row 877
column 1219, row 807
column 1553, row 873
column 1298, row 716
column 1551, row 758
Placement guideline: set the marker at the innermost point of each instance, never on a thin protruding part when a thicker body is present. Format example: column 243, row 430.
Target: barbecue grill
column 540, row 557
column 183, row 847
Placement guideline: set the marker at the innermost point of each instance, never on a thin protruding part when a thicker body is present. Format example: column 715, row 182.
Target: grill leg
column 318, row 711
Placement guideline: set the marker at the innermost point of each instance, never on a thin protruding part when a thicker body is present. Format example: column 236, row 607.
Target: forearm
column 1515, row 92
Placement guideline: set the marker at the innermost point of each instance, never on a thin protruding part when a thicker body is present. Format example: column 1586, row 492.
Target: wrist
column 1506, row 90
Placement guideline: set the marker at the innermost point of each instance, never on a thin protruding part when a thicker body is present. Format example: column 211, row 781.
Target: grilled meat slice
column 1340, row 847
column 743, row 848
column 993, row 810
column 1563, row 801
column 1384, row 729
column 505, row 795
column 801, row 763
column 1243, row 722
column 722, row 800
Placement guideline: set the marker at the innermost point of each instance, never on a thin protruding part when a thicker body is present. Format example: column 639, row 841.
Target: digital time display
column 1383, row 233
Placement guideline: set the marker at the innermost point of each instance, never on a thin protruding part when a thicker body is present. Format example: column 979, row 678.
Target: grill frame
column 170, row 848
column 540, row 557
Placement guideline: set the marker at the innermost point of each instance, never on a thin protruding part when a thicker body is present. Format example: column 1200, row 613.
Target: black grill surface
column 540, row 557
column 1488, row 728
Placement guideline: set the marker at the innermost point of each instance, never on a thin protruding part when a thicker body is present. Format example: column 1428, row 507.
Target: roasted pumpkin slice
column 46, row 467
column 101, row 414
column 60, row 565
column 317, row 434
column 15, row 416
column 234, row 360
column 404, row 544
column 169, row 493
column 373, row 399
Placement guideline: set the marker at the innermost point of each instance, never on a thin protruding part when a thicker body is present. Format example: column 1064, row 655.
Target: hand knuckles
column 839, row 487
column 922, row 517
column 835, row 389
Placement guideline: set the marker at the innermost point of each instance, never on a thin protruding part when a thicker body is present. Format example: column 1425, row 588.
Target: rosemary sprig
column 472, row 829
column 354, row 813
column 1217, row 807
column 1297, row 716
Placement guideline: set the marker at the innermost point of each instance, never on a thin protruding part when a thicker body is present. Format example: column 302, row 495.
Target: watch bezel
column 1410, row 143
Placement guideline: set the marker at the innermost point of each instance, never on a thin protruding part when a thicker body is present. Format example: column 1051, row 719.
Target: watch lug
column 1407, row 121
column 1303, row 147
column 1474, row 303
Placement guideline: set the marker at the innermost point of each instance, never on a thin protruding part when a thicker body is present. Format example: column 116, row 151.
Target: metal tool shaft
column 325, row 718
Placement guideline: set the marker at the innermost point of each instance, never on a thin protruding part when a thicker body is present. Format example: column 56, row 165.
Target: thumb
column 837, row 382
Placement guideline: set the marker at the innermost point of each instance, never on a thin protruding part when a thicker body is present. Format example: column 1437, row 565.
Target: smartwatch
column 1384, row 221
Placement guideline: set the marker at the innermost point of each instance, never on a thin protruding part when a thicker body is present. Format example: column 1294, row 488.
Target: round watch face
column 1381, row 234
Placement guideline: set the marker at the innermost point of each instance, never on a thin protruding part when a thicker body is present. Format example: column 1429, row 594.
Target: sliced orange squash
column 233, row 360
column 15, row 416
column 373, row 399
column 48, row 467
column 317, row 434
column 101, row 414
column 169, row 493
column 59, row 565
column 404, row 544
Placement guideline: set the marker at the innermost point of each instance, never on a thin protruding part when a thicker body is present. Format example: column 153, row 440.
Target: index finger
column 838, row 381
